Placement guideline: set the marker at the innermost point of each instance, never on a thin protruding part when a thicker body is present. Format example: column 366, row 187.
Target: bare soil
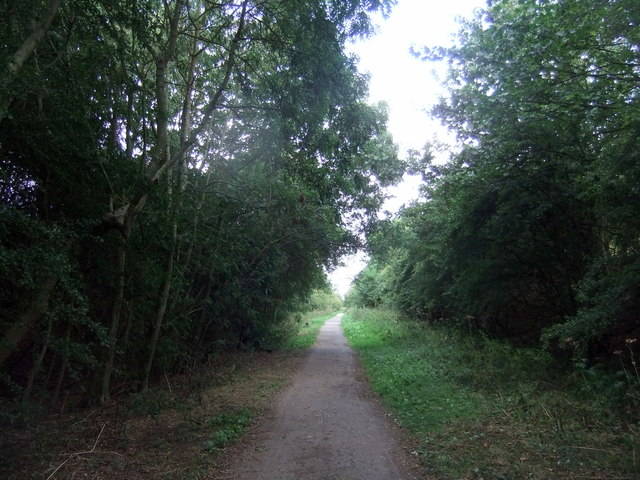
column 113, row 442
column 326, row 425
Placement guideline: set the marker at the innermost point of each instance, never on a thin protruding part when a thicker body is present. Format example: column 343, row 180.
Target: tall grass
column 481, row 408
column 408, row 372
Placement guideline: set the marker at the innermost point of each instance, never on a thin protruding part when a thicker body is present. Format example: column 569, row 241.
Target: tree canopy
column 174, row 176
column 531, row 229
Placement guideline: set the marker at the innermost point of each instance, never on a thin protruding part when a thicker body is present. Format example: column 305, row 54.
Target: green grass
column 226, row 428
column 408, row 372
column 310, row 325
column 480, row 408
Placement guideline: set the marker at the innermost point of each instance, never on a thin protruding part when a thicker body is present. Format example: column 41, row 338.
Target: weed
column 480, row 408
column 21, row 413
column 158, row 442
column 408, row 373
column 227, row 427
column 309, row 326
column 150, row 403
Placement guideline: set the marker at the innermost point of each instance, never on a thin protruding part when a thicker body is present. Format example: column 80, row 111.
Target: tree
column 531, row 226
column 176, row 172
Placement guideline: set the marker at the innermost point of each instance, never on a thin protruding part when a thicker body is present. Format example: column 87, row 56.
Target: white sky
column 408, row 85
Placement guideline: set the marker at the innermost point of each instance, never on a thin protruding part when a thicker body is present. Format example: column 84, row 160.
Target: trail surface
column 325, row 426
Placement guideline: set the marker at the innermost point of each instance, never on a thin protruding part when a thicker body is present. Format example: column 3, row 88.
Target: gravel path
column 325, row 426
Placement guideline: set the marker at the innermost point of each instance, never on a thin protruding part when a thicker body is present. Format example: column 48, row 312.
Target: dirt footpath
column 325, row 426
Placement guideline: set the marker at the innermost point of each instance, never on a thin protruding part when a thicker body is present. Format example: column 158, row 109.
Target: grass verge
column 481, row 409
column 310, row 325
column 227, row 427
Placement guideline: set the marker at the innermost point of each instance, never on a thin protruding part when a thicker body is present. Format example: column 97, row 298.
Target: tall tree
column 227, row 152
column 531, row 226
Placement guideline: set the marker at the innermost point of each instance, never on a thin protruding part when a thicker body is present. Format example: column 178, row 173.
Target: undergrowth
column 308, row 327
column 227, row 427
column 481, row 408
column 162, row 433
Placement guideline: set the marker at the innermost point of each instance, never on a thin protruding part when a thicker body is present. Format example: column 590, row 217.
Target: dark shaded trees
column 175, row 176
column 531, row 228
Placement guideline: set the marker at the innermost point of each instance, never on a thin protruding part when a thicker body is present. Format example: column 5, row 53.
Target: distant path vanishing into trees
column 325, row 426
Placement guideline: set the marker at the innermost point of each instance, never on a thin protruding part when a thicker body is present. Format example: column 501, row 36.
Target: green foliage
column 324, row 300
column 150, row 404
column 23, row 414
column 406, row 370
column 482, row 407
column 531, row 227
column 175, row 178
column 308, row 326
column 371, row 287
column 226, row 428
column 608, row 304
column 538, row 108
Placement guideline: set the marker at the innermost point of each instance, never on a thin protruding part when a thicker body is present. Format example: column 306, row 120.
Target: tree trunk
column 160, row 312
column 158, row 167
column 130, row 212
column 116, row 308
column 16, row 334
column 124, row 218
column 27, row 48
column 37, row 363
column 63, row 367
column 203, row 324
column 175, row 209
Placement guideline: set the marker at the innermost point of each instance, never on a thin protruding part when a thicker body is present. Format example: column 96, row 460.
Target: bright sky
column 408, row 85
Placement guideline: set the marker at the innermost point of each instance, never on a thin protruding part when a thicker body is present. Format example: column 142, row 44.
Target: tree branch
column 38, row 33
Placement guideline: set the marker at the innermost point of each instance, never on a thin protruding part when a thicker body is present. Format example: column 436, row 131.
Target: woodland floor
column 165, row 434
column 310, row 416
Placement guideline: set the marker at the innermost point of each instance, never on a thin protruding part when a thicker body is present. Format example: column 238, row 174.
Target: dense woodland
column 531, row 230
column 177, row 176
column 175, row 179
